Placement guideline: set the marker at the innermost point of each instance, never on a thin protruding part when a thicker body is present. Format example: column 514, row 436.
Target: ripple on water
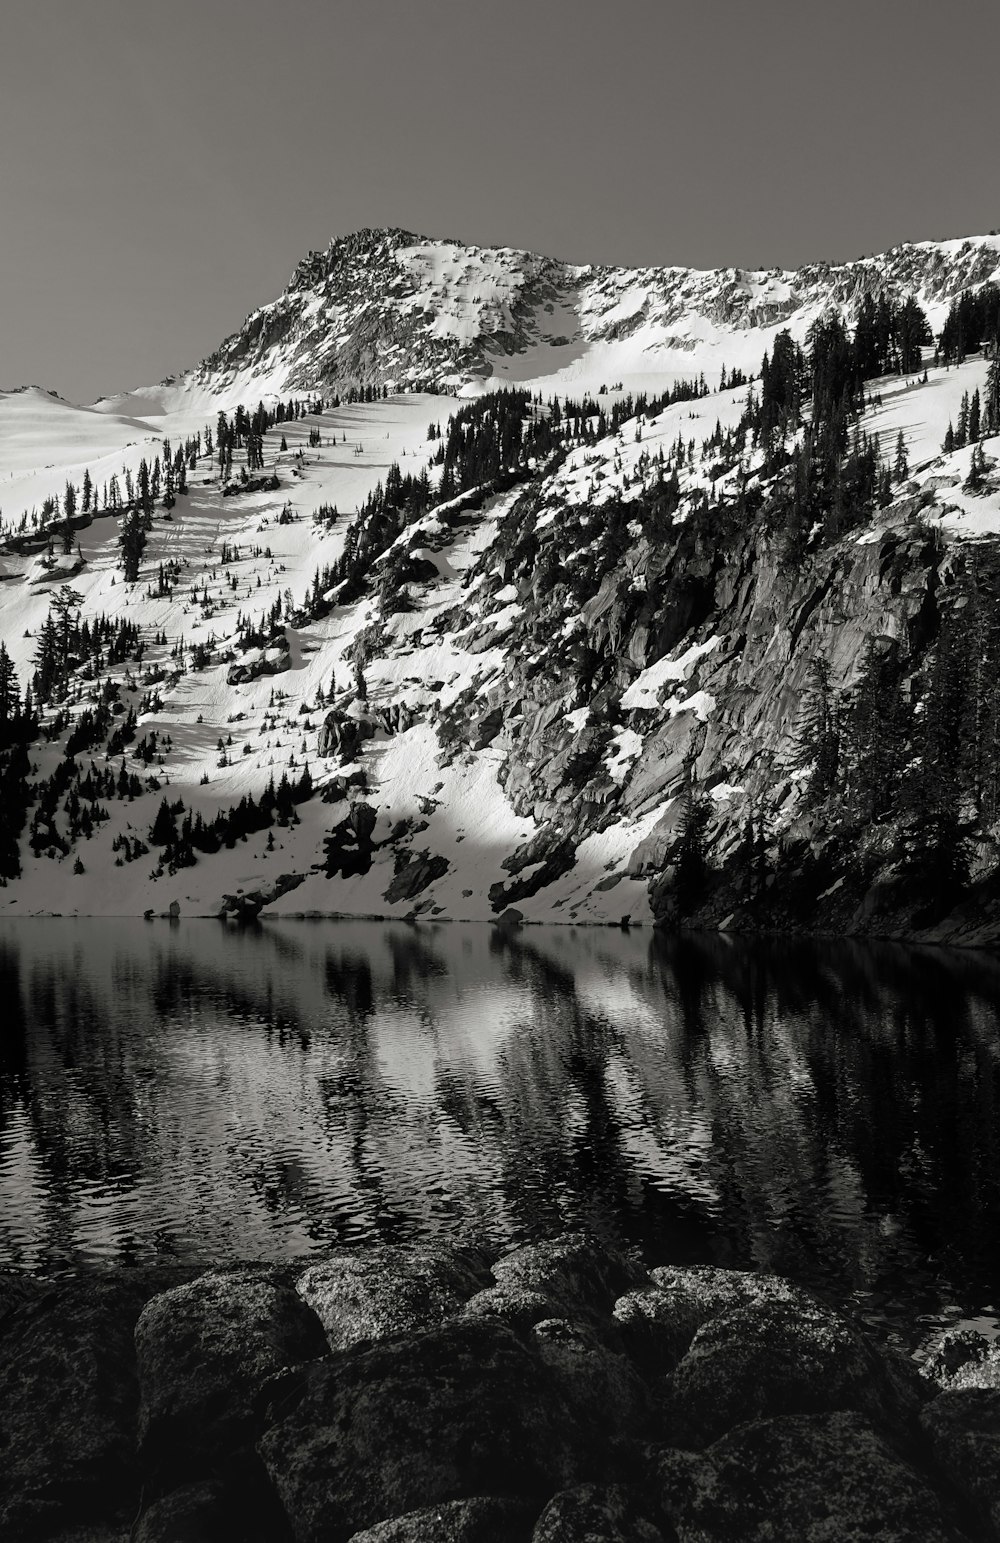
column 821, row 1110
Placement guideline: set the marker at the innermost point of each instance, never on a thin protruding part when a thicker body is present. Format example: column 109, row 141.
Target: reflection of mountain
column 828, row 1111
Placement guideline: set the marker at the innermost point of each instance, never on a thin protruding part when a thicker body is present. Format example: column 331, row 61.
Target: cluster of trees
column 978, row 417
column 18, row 727
column 830, row 374
column 74, row 801
column 180, row 833
column 385, row 513
column 915, row 744
column 243, row 432
column 66, row 643
column 356, row 394
column 732, row 379
column 160, row 481
column 495, row 433
column 972, row 323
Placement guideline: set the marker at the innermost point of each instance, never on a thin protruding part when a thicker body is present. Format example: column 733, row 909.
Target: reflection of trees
column 13, row 1039
column 857, row 1075
column 825, row 1109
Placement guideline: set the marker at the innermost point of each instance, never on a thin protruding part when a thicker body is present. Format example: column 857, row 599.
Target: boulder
column 204, row 1351
column 963, row 1358
column 659, row 1321
column 964, row 1431
column 343, row 734
column 710, row 1289
column 382, row 1292
column 825, row 1478
column 770, row 1358
column 483, row 1519
column 68, row 1399
column 595, row 1513
column 516, row 1305
column 349, row 846
column 198, row 1513
column 602, row 1390
column 574, row 1272
column 657, row 1327
column 462, row 1410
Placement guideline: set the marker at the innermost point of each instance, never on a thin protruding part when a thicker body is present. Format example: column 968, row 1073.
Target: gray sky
column 163, row 167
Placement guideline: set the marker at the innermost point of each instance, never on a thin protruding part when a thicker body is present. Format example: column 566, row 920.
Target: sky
column 165, row 166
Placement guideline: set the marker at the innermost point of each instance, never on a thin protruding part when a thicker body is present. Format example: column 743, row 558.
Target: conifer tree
column 819, row 736
column 975, row 481
column 962, row 428
column 691, row 861
column 69, row 510
column 991, row 403
column 974, row 418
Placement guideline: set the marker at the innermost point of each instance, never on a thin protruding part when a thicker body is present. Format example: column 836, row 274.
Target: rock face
column 808, row 1479
column 964, row 1430
column 480, row 1520
column 394, row 1395
column 382, row 1293
column 772, row 1358
column 461, row 1410
column 68, row 1403
column 204, row 1350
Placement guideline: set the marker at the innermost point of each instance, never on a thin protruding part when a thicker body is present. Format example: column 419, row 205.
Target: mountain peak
column 390, row 308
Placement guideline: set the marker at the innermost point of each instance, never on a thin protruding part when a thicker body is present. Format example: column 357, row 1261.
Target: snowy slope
column 475, row 820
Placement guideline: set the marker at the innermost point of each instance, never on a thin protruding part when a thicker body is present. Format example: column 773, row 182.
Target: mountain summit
column 392, row 309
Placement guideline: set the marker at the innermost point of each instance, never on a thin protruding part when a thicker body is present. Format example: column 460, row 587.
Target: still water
column 830, row 1111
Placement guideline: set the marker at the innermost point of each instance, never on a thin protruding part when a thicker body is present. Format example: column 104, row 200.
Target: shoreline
column 986, row 946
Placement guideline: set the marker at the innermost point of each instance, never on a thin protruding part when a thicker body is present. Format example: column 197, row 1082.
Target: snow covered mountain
column 450, row 652
column 389, row 308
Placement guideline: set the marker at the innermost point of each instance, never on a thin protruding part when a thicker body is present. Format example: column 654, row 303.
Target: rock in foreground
column 557, row 1394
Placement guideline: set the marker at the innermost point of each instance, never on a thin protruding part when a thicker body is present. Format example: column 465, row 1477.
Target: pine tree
column 991, row 404
column 691, row 859
column 132, row 541
column 901, row 465
column 876, row 734
column 69, row 510
column 974, row 418
column 9, row 693
column 962, row 431
column 819, row 737
column 975, row 481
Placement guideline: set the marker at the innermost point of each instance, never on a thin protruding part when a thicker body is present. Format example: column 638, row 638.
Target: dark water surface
column 829, row 1111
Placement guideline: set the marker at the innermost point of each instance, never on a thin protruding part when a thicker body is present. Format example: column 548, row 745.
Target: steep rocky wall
column 745, row 626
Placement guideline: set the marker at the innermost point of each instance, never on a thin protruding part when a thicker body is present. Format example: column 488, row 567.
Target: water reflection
column 829, row 1111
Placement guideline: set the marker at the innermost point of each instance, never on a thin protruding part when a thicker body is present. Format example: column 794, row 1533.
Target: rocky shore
column 561, row 1393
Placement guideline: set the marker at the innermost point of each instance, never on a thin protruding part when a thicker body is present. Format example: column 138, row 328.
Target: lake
column 186, row 1092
